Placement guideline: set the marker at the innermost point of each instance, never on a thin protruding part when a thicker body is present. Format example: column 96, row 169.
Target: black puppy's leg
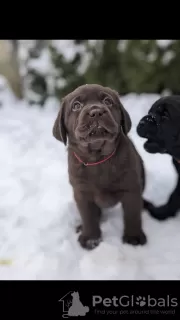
column 171, row 208
column 168, row 210
column 90, row 236
column 133, row 232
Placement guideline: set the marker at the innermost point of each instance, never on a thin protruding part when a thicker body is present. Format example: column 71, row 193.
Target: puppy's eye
column 76, row 106
column 108, row 101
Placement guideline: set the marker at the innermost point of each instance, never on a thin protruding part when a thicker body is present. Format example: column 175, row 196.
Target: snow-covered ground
column 38, row 215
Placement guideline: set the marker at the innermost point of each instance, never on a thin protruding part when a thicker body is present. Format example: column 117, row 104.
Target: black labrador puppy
column 161, row 128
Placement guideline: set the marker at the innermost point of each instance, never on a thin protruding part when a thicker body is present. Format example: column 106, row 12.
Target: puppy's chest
column 98, row 180
column 101, row 176
column 102, row 185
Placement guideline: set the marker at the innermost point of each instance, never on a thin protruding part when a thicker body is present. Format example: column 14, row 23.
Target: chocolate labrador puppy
column 161, row 128
column 103, row 164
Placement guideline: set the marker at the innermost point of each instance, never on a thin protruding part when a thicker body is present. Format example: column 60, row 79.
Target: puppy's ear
column 126, row 120
column 59, row 129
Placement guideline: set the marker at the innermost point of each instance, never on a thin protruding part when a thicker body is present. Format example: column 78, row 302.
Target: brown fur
column 119, row 179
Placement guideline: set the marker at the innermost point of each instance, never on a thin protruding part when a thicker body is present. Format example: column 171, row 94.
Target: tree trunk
column 9, row 66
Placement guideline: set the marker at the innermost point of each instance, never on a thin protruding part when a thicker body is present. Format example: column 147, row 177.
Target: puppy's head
column 161, row 127
column 90, row 114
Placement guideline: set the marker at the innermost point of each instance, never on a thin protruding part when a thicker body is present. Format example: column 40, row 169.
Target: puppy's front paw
column 135, row 240
column 88, row 242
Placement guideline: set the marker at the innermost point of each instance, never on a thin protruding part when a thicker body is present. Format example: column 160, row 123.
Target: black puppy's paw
column 88, row 242
column 135, row 240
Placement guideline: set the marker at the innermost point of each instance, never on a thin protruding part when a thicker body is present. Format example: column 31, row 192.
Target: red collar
column 94, row 163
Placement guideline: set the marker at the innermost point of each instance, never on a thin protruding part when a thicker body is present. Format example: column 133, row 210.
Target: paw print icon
column 141, row 301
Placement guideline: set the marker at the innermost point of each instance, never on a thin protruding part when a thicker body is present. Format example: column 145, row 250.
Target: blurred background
column 37, row 210
column 39, row 69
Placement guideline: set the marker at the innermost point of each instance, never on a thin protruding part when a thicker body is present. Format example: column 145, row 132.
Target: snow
column 168, row 56
column 152, row 56
column 164, row 43
column 42, row 65
column 69, row 50
column 122, row 45
column 38, row 214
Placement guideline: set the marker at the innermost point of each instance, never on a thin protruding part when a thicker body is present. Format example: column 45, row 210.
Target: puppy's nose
column 96, row 112
column 141, row 128
column 146, row 125
column 151, row 118
column 141, row 123
column 146, row 119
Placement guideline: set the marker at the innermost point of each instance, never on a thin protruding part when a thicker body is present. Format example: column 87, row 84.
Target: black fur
column 161, row 128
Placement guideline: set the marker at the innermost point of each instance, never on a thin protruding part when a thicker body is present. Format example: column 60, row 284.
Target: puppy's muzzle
column 96, row 122
column 147, row 126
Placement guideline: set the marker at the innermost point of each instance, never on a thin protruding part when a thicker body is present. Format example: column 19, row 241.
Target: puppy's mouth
column 96, row 131
column 153, row 146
